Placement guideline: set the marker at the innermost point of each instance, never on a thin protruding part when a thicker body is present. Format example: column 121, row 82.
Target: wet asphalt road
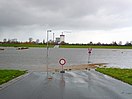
column 70, row 85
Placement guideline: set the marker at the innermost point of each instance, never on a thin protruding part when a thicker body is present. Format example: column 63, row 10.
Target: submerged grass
column 124, row 75
column 6, row 75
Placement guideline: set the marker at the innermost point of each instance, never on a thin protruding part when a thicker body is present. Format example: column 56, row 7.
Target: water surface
column 34, row 58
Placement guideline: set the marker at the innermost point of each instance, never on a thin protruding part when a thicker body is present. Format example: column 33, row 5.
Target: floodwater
column 35, row 58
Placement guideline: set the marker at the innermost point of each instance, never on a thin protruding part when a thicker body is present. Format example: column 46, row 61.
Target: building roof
column 62, row 35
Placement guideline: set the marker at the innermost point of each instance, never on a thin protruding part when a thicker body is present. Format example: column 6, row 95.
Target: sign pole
column 62, row 68
column 47, row 56
column 89, row 54
column 62, row 63
column 89, row 58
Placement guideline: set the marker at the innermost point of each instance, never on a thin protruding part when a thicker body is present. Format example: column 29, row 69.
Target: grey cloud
column 71, row 14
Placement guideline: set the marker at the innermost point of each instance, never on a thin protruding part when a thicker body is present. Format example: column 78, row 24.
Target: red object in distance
column 89, row 50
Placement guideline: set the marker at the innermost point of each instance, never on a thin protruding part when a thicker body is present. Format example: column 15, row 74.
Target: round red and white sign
column 89, row 50
column 62, row 61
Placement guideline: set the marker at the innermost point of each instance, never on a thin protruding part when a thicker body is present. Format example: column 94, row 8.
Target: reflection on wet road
column 70, row 85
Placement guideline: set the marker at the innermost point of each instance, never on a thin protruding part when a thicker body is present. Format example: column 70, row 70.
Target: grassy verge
column 95, row 46
column 124, row 75
column 6, row 75
column 66, row 46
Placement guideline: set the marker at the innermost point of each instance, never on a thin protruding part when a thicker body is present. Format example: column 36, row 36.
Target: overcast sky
column 85, row 20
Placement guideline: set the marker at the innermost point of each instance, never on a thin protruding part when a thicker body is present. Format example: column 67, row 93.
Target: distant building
column 62, row 38
column 57, row 40
column 50, row 41
column 10, row 40
column 14, row 40
column 4, row 40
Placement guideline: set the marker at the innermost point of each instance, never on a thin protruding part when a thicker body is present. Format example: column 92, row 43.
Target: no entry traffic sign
column 89, row 50
column 62, row 61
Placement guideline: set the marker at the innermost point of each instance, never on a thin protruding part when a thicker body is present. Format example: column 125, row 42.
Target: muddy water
column 35, row 58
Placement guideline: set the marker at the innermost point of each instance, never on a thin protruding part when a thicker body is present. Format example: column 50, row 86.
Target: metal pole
column 47, row 52
column 47, row 56
column 89, row 57
column 53, row 37
column 89, row 54
column 62, row 67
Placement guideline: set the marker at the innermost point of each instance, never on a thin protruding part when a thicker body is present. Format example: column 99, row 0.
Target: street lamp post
column 47, row 56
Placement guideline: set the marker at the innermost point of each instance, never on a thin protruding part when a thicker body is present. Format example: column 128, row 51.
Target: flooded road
column 70, row 85
column 35, row 58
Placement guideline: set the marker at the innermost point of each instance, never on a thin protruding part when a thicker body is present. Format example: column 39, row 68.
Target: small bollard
column 62, row 71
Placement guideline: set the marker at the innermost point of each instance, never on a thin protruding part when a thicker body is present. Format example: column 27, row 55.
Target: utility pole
column 47, row 56
column 53, row 37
